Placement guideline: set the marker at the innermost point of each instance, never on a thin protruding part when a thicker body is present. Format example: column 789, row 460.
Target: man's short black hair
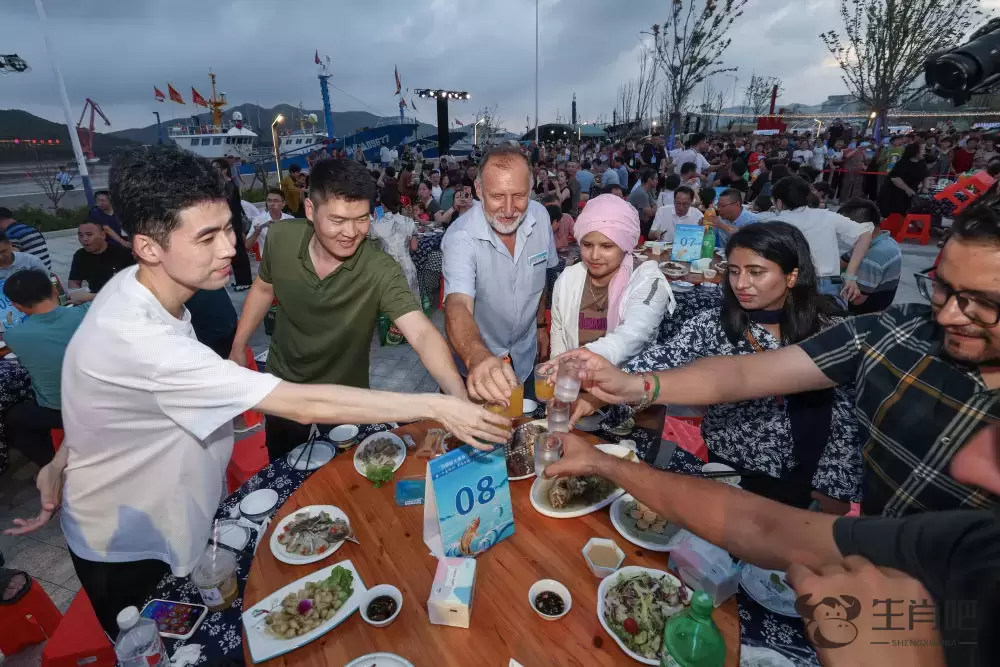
column 762, row 203
column 688, row 167
column 150, row 187
column 294, row 169
column 28, row 288
column 731, row 193
column 791, row 191
column 619, row 159
column 610, row 189
column 340, row 178
column 102, row 192
column 672, row 181
column 694, row 140
column 684, row 190
column 980, row 223
column 276, row 191
column 861, row 210
column 586, row 165
column 390, row 172
column 6, row 213
column 707, row 196
column 648, row 175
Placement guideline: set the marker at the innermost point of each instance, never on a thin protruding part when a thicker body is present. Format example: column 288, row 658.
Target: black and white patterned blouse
column 757, row 435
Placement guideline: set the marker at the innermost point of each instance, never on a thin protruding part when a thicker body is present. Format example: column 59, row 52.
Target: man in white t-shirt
column 148, row 416
column 692, row 153
column 262, row 222
column 803, row 155
column 681, row 213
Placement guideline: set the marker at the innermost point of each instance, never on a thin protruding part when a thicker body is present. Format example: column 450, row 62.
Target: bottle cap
column 701, row 604
column 127, row 617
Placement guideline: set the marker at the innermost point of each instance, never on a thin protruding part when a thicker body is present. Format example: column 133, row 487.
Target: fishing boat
column 218, row 138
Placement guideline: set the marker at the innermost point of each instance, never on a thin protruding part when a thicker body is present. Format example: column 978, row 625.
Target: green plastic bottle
column 692, row 639
column 708, row 241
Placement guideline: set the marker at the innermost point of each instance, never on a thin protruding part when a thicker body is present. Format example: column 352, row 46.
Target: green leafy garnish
column 379, row 475
column 341, row 581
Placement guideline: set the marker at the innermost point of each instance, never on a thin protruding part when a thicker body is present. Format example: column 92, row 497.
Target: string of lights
column 441, row 94
column 30, row 141
column 891, row 114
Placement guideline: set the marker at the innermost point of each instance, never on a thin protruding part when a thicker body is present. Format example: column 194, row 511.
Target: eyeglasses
column 976, row 308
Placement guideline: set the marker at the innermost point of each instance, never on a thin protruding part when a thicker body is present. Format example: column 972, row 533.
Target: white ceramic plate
column 233, row 535
column 625, row 525
column 284, row 555
column 400, row 457
column 380, row 660
column 759, row 584
column 259, row 502
column 610, row 581
column 264, row 646
column 540, row 489
column 304, row 458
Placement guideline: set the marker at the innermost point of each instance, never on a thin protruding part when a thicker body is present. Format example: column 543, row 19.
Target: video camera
column 973, row 68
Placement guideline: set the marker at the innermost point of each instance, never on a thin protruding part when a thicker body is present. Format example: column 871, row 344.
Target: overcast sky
column 115, row 51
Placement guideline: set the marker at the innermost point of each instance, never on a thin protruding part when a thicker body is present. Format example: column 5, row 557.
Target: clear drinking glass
column 544, row 389
column 558, row 416
column 548, row 449
column 568, row 380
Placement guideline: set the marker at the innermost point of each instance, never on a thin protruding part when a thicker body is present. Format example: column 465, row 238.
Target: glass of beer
column 512, row 410
column 545, row 381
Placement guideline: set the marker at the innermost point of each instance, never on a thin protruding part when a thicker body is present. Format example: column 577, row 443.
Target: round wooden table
column 392, row 551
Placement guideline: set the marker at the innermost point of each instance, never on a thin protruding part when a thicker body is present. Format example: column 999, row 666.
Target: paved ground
column 44, row 555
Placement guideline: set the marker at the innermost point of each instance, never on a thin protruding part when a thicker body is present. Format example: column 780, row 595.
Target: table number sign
column 687, row 243
column 9, row 315
column 467, row 506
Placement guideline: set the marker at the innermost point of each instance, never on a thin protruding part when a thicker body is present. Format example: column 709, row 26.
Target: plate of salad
column 633, row 606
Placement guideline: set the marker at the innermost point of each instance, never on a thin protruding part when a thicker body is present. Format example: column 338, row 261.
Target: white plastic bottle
column 139, row 643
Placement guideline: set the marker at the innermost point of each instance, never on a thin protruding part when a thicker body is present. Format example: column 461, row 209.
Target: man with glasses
column 732, row 216
column 926, row 377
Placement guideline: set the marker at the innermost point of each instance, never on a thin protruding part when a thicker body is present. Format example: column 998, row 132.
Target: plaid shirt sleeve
column 837, row 350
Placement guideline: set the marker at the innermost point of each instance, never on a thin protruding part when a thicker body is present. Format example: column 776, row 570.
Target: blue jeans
column 830, row 288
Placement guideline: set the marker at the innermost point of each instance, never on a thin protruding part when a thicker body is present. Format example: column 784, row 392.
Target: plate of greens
column 633, row 606
column 379, row 456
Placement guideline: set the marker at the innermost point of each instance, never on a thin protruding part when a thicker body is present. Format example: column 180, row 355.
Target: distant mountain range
column 15, row 123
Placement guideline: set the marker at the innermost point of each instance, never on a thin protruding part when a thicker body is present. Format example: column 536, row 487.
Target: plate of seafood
column 640, row 525
column 379, row 450
column 572, row 497
column 310, row 534
column 520, row 450
column 302, row 611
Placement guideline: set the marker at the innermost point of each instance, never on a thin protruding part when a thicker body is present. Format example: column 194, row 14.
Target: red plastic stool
column 686, row 435
column 970, row 187
column 892, row 224
column 924, row 235
column 79, row 639
column 256, row 250
column 31, row 620
column 58, row 435
column 249, row 458
column 252, row 417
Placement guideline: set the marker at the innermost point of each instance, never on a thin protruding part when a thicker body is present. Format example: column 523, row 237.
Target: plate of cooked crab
column 572, row 497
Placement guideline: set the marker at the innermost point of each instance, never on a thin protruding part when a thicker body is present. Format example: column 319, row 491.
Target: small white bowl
column 553, row 586
column 344, row 435
column 259, row 504
column 529, row 406
column 722, row 467
column 600, row 571
column 379, row 591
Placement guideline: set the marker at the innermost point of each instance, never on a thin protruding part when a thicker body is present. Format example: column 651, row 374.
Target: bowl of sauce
column 550, row 599
column 381, row 605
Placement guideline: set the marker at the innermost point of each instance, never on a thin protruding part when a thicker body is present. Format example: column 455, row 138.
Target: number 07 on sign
column 467, row 506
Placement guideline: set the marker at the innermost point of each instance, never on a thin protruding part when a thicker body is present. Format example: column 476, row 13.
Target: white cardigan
column 642, row 307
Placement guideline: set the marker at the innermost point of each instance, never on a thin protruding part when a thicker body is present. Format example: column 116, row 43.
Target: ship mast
column 324, row 83
column 216, row 102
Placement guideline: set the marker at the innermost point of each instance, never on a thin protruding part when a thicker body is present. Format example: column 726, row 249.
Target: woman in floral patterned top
column 801, row 442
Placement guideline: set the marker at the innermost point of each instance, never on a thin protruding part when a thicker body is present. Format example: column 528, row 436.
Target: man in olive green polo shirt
column 330, row 284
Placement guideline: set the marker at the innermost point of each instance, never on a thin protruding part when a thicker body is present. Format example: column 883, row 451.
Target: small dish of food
column 381, row 604
column 640, row 525
column 550, row 599
column 310, row 534
column 603, row 556
column 379, row 456
column 344, row 436
column 674, row 269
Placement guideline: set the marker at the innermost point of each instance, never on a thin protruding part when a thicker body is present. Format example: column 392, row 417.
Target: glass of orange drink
column 545, row 381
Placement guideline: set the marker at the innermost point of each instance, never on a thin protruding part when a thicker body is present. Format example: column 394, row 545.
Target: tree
column 43, row 174
column 489, row 126
column 689, row 46
column 884, row 43
column 758, row 93
column 646, row 83
column 626, row 96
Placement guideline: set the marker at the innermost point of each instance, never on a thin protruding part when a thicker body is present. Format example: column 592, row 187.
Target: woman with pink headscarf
column 607, row 302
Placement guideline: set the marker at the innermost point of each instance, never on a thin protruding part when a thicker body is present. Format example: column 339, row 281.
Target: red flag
column 458, row 122
column 197, row 99
column 174, row 95
column 399, row 84
column 158, row 94
column 317, row 57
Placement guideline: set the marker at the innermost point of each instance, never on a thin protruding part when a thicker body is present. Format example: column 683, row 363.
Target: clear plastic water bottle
column 692, row 639
column 139, row 643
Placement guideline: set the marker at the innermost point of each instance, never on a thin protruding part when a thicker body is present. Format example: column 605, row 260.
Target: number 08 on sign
column 467, row 506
